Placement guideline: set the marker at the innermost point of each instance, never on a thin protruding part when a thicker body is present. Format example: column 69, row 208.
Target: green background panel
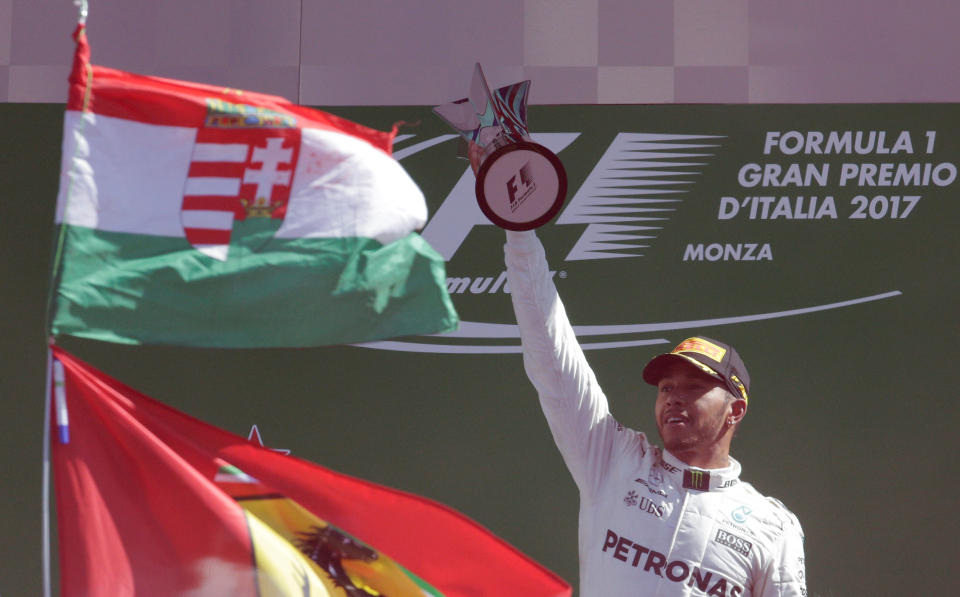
column 853, row 415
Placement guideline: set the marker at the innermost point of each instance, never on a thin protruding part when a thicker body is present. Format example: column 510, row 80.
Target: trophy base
column 521, row 186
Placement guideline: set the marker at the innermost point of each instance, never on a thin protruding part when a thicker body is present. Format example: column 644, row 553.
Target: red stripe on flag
column 156, row 100
column 207, row 236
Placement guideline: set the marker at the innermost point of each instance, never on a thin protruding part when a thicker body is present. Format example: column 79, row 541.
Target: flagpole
column 61, row 230
column 82, row 12
column 46, row 474
column 82, row 9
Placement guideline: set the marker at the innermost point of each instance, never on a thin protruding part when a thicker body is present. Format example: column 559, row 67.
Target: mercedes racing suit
column 650, row 525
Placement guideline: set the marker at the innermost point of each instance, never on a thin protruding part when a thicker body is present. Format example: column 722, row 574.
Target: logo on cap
column 701, row 346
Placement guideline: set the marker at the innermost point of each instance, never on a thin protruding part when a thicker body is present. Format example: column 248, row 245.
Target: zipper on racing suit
column 673, row 540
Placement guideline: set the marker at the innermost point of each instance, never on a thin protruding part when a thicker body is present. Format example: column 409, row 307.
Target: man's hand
column 475, row 155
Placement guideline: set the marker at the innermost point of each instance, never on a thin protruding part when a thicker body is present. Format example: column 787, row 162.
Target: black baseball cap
column 713, row 357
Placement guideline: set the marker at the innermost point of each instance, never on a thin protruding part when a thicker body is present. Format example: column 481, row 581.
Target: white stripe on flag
column 126, row 176
column 345, row 187
column 220, row 152
column 218, row 252
column 208, row 219
column 123, row 176
column 212, row 185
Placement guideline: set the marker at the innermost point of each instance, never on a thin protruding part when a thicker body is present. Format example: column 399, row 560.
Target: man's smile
column 675, row 419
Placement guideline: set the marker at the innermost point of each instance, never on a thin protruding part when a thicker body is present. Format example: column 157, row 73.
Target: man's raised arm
column 575, row 406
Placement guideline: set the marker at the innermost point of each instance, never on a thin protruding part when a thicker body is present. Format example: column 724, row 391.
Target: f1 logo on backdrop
column 622, row 205
column 627, row 190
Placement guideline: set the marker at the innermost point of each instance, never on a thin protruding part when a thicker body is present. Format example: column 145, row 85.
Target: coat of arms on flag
column 241, row 172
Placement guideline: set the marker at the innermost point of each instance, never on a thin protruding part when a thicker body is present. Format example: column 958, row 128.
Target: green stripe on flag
column 231, row 474
column 134, row 289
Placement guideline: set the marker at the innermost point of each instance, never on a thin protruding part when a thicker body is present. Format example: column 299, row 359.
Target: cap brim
column 654, row 369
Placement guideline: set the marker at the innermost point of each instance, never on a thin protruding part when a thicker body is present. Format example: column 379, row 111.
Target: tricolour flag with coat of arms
column 197, row 215
column 153, row 502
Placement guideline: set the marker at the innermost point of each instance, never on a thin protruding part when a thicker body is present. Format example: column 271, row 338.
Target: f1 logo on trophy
column 521, row 185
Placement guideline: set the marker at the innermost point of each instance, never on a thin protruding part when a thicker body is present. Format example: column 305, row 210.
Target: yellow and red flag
column 153, row 502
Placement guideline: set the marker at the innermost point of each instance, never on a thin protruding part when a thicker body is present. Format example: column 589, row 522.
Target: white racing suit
column 650, row 525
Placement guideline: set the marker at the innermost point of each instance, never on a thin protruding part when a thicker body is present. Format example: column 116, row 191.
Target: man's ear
column 738, row 410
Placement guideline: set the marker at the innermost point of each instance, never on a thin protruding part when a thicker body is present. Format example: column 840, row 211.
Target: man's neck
column 709, row 459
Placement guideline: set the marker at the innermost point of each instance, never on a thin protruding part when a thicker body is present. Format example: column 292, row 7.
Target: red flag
column 151, row 501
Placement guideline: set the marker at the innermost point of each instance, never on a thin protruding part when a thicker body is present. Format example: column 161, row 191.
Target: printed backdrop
column 818, row 239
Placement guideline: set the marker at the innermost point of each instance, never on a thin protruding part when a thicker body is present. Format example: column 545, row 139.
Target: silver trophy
column 521, row 185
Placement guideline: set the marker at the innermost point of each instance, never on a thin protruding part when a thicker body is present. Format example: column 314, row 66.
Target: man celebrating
column 676, row 521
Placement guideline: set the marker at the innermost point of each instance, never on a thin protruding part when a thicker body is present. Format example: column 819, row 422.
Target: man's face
column 691, row 409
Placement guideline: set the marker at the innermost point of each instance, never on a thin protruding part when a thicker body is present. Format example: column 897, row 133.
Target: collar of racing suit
column 700, row 479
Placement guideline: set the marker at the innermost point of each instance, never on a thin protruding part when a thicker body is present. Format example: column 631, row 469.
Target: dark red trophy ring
column 521, row 186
